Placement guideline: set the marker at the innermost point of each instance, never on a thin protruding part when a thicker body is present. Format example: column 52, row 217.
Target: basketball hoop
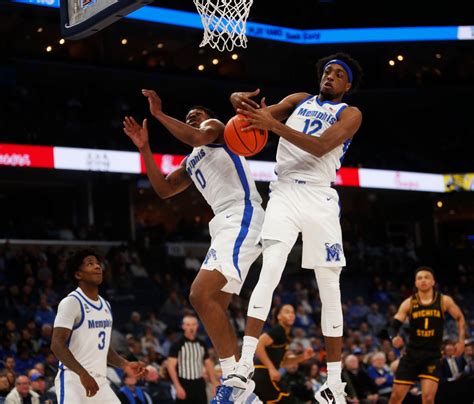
column 224, row 23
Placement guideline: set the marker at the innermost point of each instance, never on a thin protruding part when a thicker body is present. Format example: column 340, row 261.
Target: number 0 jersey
column 222, row 177
column 426, row 324
column 312, row 117
column 90, row 323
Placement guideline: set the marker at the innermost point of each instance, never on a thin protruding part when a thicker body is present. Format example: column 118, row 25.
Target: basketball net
column 224, row 23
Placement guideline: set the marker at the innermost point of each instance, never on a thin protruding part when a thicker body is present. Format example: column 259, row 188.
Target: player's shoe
column 333, row 394
column 227, row 395
column 241, row 376
column 248, row 396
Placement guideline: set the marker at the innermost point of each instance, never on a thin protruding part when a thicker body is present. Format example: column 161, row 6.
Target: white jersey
column 312, row 117
column 91, row 325
column 222, row 177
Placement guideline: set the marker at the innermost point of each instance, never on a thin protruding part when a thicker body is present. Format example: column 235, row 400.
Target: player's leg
column 399, row 391
column 211, row 303
column 429, row 387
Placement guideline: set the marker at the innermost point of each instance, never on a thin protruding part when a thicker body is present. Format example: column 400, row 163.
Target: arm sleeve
column 69, row 313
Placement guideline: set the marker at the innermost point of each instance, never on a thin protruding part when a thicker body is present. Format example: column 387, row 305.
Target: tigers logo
column 333, row 252
column 210, row 254
column 431, row 368
column 86, row 308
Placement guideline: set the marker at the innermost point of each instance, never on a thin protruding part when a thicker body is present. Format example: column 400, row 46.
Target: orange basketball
column 243, row 143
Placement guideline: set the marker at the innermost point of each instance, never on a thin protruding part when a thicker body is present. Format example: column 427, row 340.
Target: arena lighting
column 391, row 62
column 124, row 41
column 114, row 161
column 201, row 68
column 215, row 61
column 439, row 204
column 298, row 36
column 62, row 41
column 400, row 58
column 234, row 56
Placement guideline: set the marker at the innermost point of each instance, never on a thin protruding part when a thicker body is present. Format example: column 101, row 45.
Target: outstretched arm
column 452, row 308
column 280, row 111
column 292, row 359
column 344, row 129
column 165, row 187
column 209, row 131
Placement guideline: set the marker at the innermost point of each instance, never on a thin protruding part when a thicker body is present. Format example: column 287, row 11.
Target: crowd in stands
column 149, row 298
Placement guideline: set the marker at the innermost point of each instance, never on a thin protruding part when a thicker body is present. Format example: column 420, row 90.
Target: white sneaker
column 241, row 376
column 333, row 394
column 248, row 397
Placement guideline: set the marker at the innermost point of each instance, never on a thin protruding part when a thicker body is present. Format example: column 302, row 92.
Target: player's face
column 334, row 82
column 195, row 117
column 424, row 281
column 286, row 317
column 190, row 326
column 91, row 271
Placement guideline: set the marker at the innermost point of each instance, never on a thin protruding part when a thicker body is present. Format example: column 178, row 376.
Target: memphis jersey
column 222, row 177
column 91, row 330
column 312, row 117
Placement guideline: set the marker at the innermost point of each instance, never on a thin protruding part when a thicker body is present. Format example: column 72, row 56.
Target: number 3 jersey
column 312, row 117
column 222, row 177
column 91, row 325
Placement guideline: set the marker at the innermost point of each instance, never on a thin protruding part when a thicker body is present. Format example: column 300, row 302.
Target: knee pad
column 330, row 294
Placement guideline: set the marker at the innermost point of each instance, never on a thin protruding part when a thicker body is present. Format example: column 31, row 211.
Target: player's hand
column 138, row 134
column 180, row 393
column 154, row 101
column 397, row 342
column 244, row 97
column 89, row 384
column 275, row 375
column 459, row 348
column 135, row 369
column 256, row 118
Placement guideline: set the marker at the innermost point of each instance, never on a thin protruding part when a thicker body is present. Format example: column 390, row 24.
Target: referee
column 187, row 358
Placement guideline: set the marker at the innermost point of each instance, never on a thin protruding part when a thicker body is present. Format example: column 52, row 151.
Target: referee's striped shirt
column 191, row 355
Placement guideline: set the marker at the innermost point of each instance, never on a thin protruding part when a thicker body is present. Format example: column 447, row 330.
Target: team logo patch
column 86, row 308
column 431, row 368
column 211, row 254
column 333, row 252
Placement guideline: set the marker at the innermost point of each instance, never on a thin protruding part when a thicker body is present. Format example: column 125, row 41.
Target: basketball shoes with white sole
column 333, row 394
column 241, row 376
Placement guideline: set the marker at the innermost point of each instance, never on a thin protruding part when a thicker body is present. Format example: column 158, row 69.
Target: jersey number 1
column 101, row 340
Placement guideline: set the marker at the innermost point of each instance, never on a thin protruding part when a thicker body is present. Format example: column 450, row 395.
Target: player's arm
column 165, row 187
column 209, row 131
column 280, row 111
column 397, row 322
column 345, row 128
column 172, row 366
column 261, row 352
column 291, row 359
column 453, row 309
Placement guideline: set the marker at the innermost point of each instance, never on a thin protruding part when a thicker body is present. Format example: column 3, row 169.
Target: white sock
column 334, row 373
column 227, row 365
column 249, row 347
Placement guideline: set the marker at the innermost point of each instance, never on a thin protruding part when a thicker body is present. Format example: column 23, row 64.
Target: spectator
column 314, row 377
column 4, row 387
column 156, row 325
column 10, row 363
column 159, row 389
column 45, row 314
column 150, row 341
column 130, row 393
column 359, row 385
column 468, row 357
column 22, row 392
column 358, row 311
column 380, row 374
column 135, row 325
column 452, row 367
column 38, row 385
column 303, row 320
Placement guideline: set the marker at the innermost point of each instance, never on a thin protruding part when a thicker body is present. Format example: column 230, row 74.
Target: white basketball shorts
column 69, row 390
column 314, row 211
column 235, row 244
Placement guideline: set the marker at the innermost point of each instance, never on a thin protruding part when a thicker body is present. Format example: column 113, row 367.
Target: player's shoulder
column 212, row 123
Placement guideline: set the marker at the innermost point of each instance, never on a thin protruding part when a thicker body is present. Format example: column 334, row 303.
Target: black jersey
column 276, row 351
column 426, row 324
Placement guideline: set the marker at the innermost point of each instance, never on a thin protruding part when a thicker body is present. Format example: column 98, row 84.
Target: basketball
column 244, row 143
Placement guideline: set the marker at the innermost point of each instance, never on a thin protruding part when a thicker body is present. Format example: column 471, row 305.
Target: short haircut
column 75, row 261
column 190, row 315
column 357, row 72
column 423, row 268
column 209, row 112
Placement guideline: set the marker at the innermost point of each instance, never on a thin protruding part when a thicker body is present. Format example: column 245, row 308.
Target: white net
column 224, row 22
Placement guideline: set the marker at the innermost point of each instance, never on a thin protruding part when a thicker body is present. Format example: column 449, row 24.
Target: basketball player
column 272, row 354
column 225, row 181
column 317, row 133
column 81, row 338
column 422, row 359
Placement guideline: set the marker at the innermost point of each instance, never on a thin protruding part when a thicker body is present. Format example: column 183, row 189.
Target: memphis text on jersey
column 323, row 116
column 99, row 323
